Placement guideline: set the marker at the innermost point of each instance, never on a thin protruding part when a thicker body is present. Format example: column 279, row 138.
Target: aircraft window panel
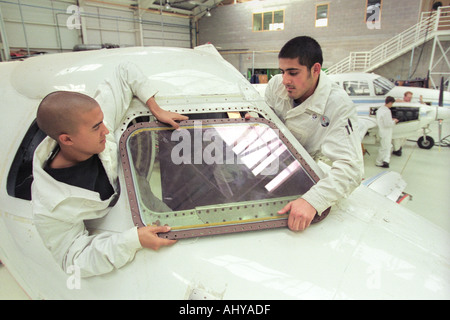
column 211, row 176
column 382, row 86
column 283, row 176
column 356, row 88
column 270, row 159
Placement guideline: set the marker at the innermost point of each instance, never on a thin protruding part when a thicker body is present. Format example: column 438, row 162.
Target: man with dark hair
column 385, row 124
column 322, row 117
column 75, row 173
column 305, row 49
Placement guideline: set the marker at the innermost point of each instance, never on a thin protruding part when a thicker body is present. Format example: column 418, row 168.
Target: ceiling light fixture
column 167, row 6
column 208, row 13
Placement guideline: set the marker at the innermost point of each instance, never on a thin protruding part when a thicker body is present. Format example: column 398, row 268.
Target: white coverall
column 326, row 125
column 60, row 209
column 385, row 125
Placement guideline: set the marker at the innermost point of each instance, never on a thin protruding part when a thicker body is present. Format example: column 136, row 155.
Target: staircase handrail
column 406, row 40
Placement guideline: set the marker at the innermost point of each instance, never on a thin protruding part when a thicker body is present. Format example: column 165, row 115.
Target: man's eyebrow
column 290, row 69
column 97, row 124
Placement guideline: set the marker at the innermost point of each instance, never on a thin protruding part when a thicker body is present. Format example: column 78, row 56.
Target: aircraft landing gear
column 425, row 142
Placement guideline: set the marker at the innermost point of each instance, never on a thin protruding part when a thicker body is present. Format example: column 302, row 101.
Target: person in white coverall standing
column 385, row 124
column 75, row 173
column 323, row 118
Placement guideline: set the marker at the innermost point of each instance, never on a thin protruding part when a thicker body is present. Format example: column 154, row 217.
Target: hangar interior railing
column 433, row 25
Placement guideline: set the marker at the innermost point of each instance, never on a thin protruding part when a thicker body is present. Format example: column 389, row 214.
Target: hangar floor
column 426, row 172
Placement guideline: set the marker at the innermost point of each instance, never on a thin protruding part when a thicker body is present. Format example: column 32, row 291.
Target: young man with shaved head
column 75, row 173
column 323, row 119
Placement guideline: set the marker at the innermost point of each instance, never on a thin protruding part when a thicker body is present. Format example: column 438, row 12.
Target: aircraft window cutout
column 357, row 88
column 212, row 176
column 20, row 175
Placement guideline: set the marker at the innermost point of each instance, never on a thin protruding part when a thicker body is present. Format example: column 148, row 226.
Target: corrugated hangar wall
column 51, row 26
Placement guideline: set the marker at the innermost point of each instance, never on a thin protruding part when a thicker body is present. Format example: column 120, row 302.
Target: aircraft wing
column 364, row 125
column 388, row 184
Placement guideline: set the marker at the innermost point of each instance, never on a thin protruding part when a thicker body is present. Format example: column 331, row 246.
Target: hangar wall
column 347, row 30
column 51, row 26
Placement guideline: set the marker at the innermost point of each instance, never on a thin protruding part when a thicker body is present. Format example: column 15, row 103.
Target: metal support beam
column 84, row 38
column 139, row 32
column 4, row 46
column 24, row 28
column 441, row 71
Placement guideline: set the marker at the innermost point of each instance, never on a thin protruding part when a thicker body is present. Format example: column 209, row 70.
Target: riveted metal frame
column 215, row 229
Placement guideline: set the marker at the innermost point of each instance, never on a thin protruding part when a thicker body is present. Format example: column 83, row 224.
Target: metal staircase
column 432, row 26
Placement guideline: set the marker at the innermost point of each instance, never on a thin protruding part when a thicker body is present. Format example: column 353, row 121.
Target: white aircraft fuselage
column 368, row 247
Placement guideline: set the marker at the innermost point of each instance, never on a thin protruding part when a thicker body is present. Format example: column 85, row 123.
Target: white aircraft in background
column 232, row 243
column 414, row 118
column 372, row 88
column 368, row 91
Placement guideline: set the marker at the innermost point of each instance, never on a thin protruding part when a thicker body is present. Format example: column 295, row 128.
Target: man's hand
column 148, row 237
column 301, row 214
column 163, row 115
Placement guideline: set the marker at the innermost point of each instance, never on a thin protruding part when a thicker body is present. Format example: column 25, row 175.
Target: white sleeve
column 343, row 147
column 64, row 233
column 269, row 95
column 115, row 93
column 101, row 253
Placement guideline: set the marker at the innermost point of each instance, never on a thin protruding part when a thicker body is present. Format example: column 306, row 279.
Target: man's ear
column 65, row 139
column 316, row 68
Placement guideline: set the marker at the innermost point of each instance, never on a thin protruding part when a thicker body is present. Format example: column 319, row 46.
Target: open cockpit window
column 211, row 176
column 20, row 176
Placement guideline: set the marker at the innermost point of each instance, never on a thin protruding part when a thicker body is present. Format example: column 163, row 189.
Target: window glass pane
column 373, row 10
column 213, row 174
column 278, row 20
column 357, row 88
column 257, row 21
column 322, row 15
column 267, row 20
column 278, row 16
column 382, row 86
